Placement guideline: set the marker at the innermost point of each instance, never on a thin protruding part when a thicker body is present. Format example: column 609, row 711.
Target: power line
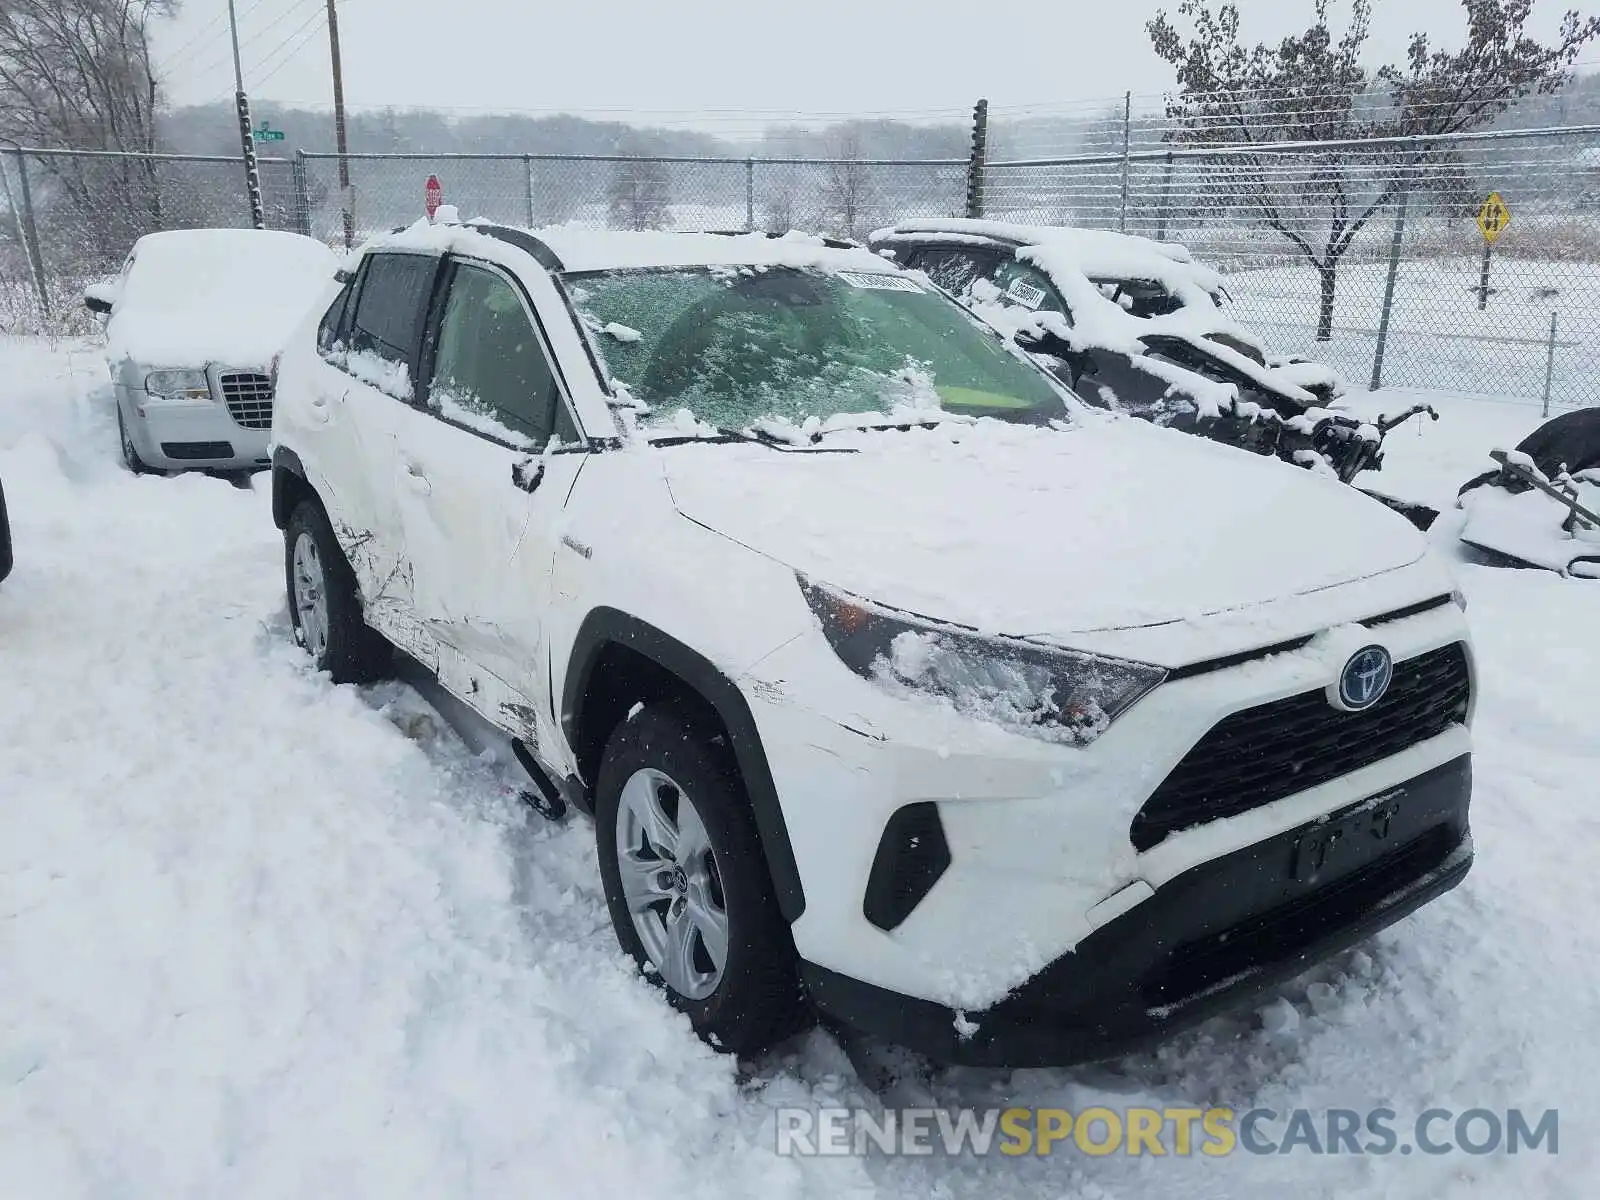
column 306, row 33
column 214, row 32
column 293, row 9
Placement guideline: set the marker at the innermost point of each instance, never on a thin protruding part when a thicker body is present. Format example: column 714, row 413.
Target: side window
column 335, row 327
column 393, row 305
column 950, row 268
column 1025, row 284
column 489, row 371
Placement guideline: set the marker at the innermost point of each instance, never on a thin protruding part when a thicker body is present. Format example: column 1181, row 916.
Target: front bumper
column 1038, row 836
column 184, row 436
column 1208, row 940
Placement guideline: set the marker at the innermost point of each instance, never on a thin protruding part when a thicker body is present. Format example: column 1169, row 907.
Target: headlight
column 1055, row 695
column 178, row 385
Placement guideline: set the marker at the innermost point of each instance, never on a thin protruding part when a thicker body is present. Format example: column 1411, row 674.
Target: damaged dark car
column 1138, row 326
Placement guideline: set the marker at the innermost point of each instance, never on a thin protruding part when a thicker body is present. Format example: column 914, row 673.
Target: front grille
column 249, row 398
column 196, row 451
column 1275, row 750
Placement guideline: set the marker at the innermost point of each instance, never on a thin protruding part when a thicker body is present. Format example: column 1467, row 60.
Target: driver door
column 482, row 490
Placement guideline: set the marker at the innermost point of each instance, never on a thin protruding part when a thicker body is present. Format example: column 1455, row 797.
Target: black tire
column 757, row 1002
column 1571, row 440
column 5, row 536
column 352, row 651
column 130, row 452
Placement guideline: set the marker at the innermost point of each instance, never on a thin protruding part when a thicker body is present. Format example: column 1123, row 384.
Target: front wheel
column 325, row 603
column 687, row 885
column 130, row 452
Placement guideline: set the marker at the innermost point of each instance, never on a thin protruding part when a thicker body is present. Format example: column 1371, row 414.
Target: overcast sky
column 716, row 64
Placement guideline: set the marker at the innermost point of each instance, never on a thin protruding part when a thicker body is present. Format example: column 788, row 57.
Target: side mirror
column 528, row 474
column 99, row 298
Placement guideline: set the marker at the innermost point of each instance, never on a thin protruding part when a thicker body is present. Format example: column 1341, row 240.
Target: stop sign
column 433, row 196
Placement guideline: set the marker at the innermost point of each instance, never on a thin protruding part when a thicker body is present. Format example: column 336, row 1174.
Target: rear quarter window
column 392, row 306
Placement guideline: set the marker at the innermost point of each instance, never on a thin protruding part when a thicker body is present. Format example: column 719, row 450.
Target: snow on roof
column 582, row 249
column 1097, row 251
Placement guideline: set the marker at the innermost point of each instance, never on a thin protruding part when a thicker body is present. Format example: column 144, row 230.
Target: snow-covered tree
column 1315, row 87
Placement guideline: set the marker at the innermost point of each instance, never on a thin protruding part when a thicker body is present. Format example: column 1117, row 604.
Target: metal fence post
column 302, row 193
column 29, row 231
column 1396, row 244
column 977, row 161
column 1127, row 161
column 1549, row 364
column 1164, row 212
column 749, row 195
column 527, row 173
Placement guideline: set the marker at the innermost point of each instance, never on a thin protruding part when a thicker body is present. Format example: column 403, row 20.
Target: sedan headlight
column 1054, row 695
column 178, row 385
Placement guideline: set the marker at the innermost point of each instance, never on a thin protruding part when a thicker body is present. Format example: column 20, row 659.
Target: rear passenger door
column 482, row 490
column 371, row 345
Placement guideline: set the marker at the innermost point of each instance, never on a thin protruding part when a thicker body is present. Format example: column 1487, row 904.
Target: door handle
column 417, row 480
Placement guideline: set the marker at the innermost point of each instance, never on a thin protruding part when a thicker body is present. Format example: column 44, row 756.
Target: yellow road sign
column 1493, row 218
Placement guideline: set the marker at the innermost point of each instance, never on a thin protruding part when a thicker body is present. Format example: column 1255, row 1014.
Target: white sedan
column 193, row 324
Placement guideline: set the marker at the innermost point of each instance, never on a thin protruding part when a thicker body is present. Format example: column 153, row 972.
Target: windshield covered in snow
column 736, row 345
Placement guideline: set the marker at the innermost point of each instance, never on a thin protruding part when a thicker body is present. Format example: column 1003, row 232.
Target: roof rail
column 522, row 240
column 832, row 243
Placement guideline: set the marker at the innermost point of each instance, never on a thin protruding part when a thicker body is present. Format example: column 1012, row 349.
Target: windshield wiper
column 759, row 437
column 904, row 426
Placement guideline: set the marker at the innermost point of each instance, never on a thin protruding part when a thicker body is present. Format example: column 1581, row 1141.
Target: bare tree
column 1313, row 87
column 639, row 194
column 76, row 74
column 847, row 192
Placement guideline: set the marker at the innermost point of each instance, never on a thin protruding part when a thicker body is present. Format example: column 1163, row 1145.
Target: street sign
column 433, row 195
column 1493, row 218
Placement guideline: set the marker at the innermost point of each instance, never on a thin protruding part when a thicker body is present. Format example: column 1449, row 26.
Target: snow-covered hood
column 231, row 297
column 1035, row 532
column 183, row 336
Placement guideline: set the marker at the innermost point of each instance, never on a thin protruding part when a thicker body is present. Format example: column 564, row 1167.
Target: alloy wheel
column 310, row 595
column 671, row 883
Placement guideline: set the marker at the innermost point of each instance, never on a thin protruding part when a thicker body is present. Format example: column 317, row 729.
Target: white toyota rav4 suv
column 899, row 685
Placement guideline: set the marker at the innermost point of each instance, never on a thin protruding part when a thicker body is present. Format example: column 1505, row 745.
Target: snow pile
column 1303, row 373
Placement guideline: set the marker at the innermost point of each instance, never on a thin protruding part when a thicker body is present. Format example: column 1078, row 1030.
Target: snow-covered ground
column 1438, row 337
column 260, row 936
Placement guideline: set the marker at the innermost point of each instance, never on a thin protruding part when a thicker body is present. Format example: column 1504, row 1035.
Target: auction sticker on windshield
column 879, row 283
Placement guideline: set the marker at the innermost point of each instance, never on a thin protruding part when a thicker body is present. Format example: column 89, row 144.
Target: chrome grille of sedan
column 249, row 398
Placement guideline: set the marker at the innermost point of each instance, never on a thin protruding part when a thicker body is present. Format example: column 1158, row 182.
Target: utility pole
column 340, row 130
column 252, row 169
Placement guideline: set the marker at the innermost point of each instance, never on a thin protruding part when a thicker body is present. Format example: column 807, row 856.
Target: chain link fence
column 68, row 218
column 1364, row 253
column 845, row 197
column 1367, row 254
